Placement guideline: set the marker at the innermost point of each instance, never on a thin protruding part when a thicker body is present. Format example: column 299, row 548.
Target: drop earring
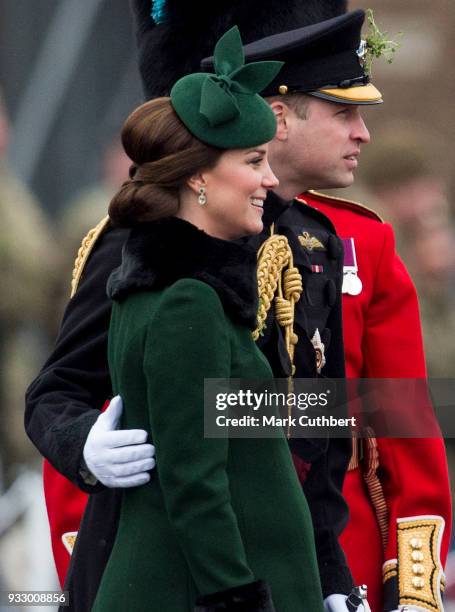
column 202, row 197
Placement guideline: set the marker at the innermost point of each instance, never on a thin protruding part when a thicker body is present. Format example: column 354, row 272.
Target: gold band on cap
column 283, row 89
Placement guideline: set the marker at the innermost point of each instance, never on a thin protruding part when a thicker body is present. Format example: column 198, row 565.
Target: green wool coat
column 217, row 513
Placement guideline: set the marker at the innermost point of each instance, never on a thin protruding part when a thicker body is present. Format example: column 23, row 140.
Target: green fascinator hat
column 224, row 109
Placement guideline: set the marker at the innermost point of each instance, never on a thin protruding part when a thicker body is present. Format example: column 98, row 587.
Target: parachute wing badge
column 311, row 243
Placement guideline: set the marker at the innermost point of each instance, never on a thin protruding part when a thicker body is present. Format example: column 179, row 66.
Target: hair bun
column 132, row 204
column 164, row 155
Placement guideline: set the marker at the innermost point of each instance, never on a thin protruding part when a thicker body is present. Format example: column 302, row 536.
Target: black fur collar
column 159, row 253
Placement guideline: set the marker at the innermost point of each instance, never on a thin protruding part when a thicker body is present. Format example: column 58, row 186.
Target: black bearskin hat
column 190, row 29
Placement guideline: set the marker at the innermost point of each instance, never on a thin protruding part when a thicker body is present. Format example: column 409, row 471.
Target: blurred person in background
column 27, row 267
column 407, row 179
column 432, row 262
column 89, row 205
column 408, row 182
column 84, row 211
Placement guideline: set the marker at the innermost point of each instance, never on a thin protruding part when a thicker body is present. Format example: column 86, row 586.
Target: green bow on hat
column 224, row 109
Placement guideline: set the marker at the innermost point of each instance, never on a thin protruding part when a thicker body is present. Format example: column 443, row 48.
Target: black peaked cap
column 319, row 59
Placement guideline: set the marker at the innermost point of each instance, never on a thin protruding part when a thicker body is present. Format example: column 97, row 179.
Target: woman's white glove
column 337, row 603
column 118, row 458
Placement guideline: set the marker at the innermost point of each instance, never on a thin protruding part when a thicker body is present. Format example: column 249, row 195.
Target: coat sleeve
column 64, row 401
column 188, row 340
column 322, row 488
column 413, row 472
column 324, row 482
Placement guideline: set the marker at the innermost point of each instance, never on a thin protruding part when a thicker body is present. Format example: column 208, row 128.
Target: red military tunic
column 383, row 339
column 65, row 505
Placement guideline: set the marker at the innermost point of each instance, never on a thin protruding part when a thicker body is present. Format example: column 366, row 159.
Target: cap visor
column 360, row 94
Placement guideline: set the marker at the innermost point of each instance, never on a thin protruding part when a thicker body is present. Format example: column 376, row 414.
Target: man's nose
column 360, row 131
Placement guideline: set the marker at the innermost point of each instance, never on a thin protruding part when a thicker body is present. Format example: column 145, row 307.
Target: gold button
column 416, row 543
column 418, row 569
column 283, row 89
column 416, row 555
column 418, row 583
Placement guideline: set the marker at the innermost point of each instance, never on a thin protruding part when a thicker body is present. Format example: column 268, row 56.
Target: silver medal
column 352, row 285
column 355, row 285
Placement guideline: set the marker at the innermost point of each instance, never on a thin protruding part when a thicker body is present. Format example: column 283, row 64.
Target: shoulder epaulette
column 87, row 244
column 350, row 204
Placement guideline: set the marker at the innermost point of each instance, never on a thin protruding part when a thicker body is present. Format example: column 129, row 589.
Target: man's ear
column 282, row 115
column 195, row 182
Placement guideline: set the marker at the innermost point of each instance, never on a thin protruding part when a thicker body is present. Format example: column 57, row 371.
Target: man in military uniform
column 76, row 379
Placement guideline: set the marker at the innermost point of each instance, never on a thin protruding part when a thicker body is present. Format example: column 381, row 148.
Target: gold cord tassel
column 279, row 281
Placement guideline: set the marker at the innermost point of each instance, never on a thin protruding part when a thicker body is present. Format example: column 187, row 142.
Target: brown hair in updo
column 165, row 155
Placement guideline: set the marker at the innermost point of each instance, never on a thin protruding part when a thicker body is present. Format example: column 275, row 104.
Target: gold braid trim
column 420, row 575
column 272, row 257
column 88, row 242
column 362, row 207
column 389, row 570
column 278, row 280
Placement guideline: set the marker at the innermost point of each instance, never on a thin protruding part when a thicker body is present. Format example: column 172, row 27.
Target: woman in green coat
column 223, row 523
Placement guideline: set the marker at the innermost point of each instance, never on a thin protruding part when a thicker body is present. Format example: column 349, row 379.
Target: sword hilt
column 356, row 598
